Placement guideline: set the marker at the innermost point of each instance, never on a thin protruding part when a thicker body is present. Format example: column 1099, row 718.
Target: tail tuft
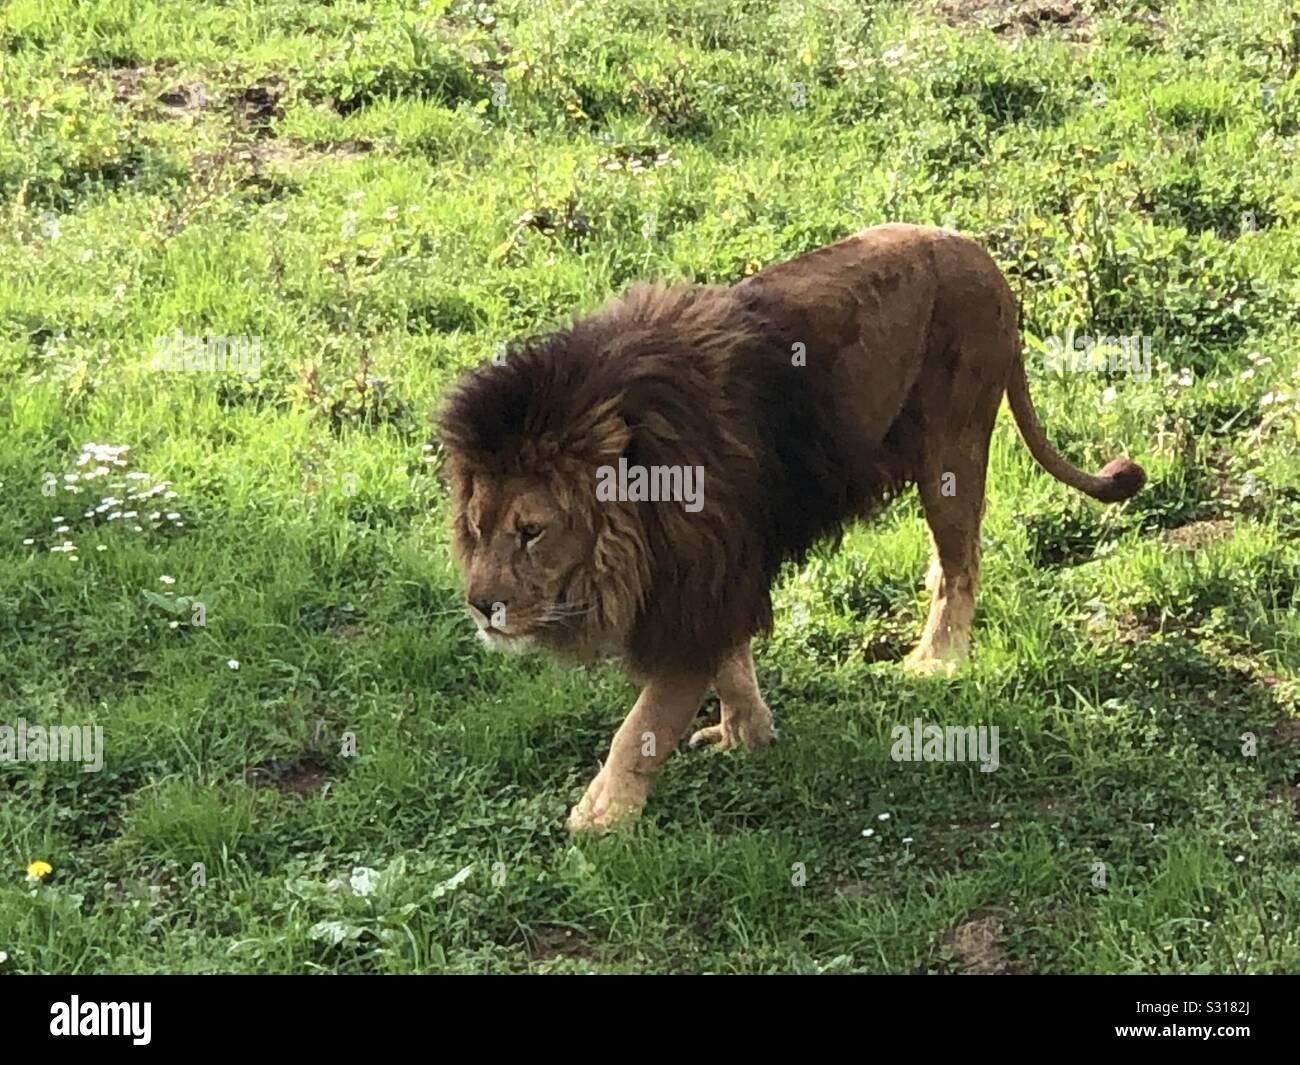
column 1123, row 479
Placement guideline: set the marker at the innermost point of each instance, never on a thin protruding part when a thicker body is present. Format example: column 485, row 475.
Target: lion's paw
column 609, row 802
column 924, row 662
column 751, row 730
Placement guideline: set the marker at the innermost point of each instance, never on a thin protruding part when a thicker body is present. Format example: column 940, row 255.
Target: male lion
column 806, row 396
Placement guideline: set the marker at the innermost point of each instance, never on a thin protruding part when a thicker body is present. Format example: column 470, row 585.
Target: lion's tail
column 1118, row 480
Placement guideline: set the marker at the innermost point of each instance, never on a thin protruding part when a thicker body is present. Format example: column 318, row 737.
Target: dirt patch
column 125, row 83
column 1019, row 18
column 302, row 777
column 1199, row 533
column 257, row 107
column 253, row 109
column 254, row 156
column 1135, row 628
column 1287, row 732
column 852, row 887
column 188, row 96
column 548, row 942
column 260, row 171
column 976, row 946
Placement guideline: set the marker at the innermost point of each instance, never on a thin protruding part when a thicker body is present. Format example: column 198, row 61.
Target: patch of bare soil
column 852, row 887
column 256, row 107
column 253, row 109
column 282, row 153
column 302, row 777
column 126, row 83
column 1019, row 18
column 976, row 945
column 547, row 942
column 259, row 170
column 1199, row 533
column 1134, row 628
column 187, row 96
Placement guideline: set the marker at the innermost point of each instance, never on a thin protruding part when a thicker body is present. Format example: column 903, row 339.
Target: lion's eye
column 529, row 534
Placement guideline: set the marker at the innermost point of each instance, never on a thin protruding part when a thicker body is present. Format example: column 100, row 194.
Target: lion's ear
column 600, row 434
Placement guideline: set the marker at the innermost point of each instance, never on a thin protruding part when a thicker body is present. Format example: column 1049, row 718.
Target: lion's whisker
column 565, row 612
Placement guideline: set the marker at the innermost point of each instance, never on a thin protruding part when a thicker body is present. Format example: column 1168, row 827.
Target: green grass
column 384, row 192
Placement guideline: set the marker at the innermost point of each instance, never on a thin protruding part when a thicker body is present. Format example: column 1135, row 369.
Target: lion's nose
column 486, row 606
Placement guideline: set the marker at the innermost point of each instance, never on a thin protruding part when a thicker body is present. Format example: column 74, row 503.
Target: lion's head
column 550, row 563
column 519, row 549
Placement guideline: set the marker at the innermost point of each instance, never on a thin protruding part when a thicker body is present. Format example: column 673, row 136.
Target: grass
column 329, row 774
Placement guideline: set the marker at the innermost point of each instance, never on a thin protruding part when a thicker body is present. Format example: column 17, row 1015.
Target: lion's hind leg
column 746, row 720
column 952, row 492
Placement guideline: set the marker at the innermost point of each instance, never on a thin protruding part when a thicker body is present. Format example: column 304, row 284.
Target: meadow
column 245, row 248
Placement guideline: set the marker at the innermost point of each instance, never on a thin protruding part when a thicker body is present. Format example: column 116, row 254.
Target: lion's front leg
column 746, row 720
column 663, row 711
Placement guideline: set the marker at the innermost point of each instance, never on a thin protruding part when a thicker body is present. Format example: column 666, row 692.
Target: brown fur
column 809, row 395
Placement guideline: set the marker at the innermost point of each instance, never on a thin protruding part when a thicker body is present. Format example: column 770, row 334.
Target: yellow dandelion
column 39, row 869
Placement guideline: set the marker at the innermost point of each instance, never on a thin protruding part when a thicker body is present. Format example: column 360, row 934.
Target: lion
column 800, row 399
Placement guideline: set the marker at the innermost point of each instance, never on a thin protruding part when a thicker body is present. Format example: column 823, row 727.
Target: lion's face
column 520, row 552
